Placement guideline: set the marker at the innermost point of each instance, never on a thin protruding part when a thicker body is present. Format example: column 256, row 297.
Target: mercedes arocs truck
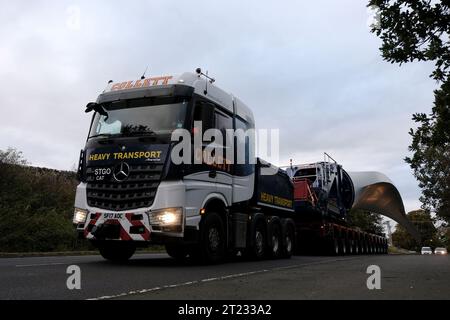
column 138, row 187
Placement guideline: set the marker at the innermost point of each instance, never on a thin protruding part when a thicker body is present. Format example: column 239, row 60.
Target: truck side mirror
column 91, row 106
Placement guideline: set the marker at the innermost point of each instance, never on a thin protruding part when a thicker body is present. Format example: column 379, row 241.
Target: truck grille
column 137, row 191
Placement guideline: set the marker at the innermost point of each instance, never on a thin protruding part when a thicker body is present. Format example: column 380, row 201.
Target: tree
column 36, row 207
column 443, row 233
column 423, row 221
column 366, row 221
column 12, row 156
column 419, row 30
column 415, row 30
column 431, row 154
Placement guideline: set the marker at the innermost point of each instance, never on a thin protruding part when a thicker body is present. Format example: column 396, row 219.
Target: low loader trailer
column 138, row 187
column 324, row 194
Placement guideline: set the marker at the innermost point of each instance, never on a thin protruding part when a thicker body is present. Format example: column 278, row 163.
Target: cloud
column 311, row 69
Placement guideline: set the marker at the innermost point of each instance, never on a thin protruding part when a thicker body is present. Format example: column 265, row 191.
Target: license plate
column 115, row 216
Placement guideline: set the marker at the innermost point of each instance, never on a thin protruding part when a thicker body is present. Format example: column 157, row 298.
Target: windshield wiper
column 102, row 135
column 138, row 133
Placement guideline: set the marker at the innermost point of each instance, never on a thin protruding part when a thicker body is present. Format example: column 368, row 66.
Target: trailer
column 324, row 194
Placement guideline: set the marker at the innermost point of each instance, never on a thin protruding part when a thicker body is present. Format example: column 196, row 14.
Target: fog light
column 79, row 216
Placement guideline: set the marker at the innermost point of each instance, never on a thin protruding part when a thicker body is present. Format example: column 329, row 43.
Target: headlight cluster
column 79, row 216
column 168, row 220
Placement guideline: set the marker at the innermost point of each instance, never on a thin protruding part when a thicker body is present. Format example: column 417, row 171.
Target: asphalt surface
column 156, row 276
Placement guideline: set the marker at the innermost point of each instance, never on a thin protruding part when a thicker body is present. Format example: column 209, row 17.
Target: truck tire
column 257, row 249
column 275, row 239
column 177, row 252
column 288, row 240
column 117, row 252
column 211, row 248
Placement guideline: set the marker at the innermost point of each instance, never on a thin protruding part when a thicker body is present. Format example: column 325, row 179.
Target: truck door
column 244, row 159
column 200, row 171
column 224, row 178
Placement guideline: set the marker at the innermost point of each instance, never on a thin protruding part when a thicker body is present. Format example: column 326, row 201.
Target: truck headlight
column 169, row 219
column 79, row 216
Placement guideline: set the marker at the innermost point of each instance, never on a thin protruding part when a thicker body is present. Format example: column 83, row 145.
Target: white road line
column 40, row 265
column 139, row 256
column 231, row 276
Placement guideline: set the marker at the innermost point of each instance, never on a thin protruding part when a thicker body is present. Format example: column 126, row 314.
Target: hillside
column 36, row 206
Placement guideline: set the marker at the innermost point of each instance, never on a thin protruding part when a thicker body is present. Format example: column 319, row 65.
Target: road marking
column 231, row 276
column 40, row 265
column 139, row 255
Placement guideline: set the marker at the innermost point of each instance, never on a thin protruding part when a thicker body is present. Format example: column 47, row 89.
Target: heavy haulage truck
column 131, row 194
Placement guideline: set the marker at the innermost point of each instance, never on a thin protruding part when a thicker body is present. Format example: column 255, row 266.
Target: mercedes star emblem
column 121, row 172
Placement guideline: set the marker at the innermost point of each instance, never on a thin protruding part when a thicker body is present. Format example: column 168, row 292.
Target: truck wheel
column 288, row 241
column 258, row 248
column 275, row 240
column 117, row 252
column 211, row 248
column 176, row 251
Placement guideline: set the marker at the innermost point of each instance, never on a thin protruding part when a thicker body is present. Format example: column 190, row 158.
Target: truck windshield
column 138, row 119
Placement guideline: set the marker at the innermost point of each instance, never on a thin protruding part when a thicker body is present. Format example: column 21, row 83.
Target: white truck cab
column 132, row 193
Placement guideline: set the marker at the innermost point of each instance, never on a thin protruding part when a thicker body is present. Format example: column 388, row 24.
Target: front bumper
column 133, row 225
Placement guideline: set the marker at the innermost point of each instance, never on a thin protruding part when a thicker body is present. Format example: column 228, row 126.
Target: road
column 156, row 276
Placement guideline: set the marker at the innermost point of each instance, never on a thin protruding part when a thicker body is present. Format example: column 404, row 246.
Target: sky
column 311, row 69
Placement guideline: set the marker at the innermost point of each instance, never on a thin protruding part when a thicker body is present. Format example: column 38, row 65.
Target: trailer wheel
column 211, row 248
column 343, row 247
column 356, row 246
column 288, row 240
column 275, row 239
column 117, row 252
column 365, row 247
column 177, row 252
column 350, row 246
column 334, row 247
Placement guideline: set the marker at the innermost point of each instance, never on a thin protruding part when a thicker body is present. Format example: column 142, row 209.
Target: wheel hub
column 275, row 244
column 214, row 239
column 288, row 244
column 259, row 242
